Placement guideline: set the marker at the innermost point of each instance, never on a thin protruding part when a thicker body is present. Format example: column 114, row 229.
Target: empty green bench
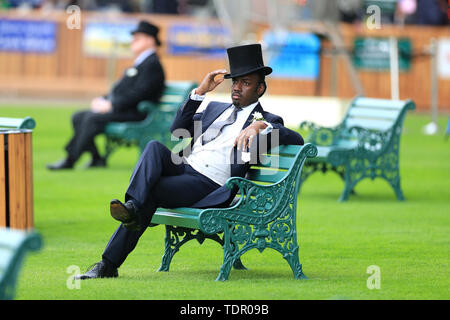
column 156, row 125
column 264, row 214
column 14, row 245
column 365, row 144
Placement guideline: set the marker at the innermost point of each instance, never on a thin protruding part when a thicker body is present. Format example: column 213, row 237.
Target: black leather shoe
column 125, row 213
column 99, row 270
column 97, row 163
column 60, row 165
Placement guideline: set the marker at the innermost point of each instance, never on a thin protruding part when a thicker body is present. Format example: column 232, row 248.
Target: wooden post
column 16, row 179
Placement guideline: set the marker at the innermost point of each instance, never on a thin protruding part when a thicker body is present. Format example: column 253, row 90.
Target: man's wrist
column 197, row 91
column 195, row 96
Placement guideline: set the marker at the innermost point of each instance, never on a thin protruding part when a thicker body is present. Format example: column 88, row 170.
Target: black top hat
column 148, row 28
column 246, row 59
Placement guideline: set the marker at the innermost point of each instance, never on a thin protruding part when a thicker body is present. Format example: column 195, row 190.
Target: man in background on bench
column 143, row 81
column 225, row 133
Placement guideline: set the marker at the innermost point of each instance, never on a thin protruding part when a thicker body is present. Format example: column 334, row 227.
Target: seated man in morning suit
column 224, row 130
column 143, row 81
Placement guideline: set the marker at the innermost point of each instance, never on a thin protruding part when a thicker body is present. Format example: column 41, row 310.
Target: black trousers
column 87, row 125
column 159, row 179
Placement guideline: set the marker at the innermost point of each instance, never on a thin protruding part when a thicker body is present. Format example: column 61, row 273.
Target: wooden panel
column 19, row 186
column 17, row 189
column 29, row 193
column 2, row 182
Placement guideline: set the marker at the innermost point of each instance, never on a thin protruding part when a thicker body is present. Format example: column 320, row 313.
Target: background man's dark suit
column 144, row 82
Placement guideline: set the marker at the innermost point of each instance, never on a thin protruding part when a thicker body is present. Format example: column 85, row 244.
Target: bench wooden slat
column 265, row 175
column 182, row 217
column 289, row 151
column 373, row 124
column 372, row 113
column 10, row 240
column 273, row 161
column 379, row 103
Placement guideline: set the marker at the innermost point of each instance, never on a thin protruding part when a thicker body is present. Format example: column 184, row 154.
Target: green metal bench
column 364, row 145
column 14, row 245
column 18, row 123
column 263, row 214
column 156, row 125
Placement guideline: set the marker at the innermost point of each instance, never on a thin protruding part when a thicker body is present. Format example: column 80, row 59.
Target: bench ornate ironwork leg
column 237, row 264
column 355, row 171
column 178, row 236
column 294, row 263
column 173, row 242
column 230, row 250
column 397, row 189
column 226, row 266
column 391, row 173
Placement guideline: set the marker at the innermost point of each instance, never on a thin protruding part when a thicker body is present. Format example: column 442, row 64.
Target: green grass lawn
column 409, row 241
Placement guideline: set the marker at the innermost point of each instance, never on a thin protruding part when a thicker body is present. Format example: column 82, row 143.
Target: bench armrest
column 255, row 203
column 371, row 142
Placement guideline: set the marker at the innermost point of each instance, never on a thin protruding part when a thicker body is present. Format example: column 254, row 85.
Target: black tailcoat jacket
column 143, row 82
column 187, row 118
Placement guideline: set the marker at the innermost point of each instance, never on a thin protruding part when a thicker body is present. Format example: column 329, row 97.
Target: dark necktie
column 216, row 128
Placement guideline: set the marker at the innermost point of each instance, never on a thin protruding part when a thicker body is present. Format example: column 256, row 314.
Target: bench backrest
column 161, row 115
column 279, row 162
column 175, row 92
column 14, row 244
column 17, row 123
column 376, row 114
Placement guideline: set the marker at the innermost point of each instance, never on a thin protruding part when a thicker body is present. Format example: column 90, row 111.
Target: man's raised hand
column 211, row 81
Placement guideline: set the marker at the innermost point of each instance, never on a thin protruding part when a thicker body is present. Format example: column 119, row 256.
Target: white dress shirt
column 214, row 158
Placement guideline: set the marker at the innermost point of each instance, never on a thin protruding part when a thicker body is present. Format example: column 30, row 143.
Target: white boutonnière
column 257, row 116
column 131, row 72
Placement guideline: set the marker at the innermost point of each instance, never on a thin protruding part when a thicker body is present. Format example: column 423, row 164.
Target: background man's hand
column 210, row 82
column 101, row 105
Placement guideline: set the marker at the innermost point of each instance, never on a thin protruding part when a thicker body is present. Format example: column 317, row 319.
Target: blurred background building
column 317, row 48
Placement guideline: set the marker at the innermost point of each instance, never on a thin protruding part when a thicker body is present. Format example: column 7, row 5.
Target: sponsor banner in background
column 27, row 36
column 373, row 53
column 443, row 58
column 184, row 39
column 104, row 39
column 293, row 55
